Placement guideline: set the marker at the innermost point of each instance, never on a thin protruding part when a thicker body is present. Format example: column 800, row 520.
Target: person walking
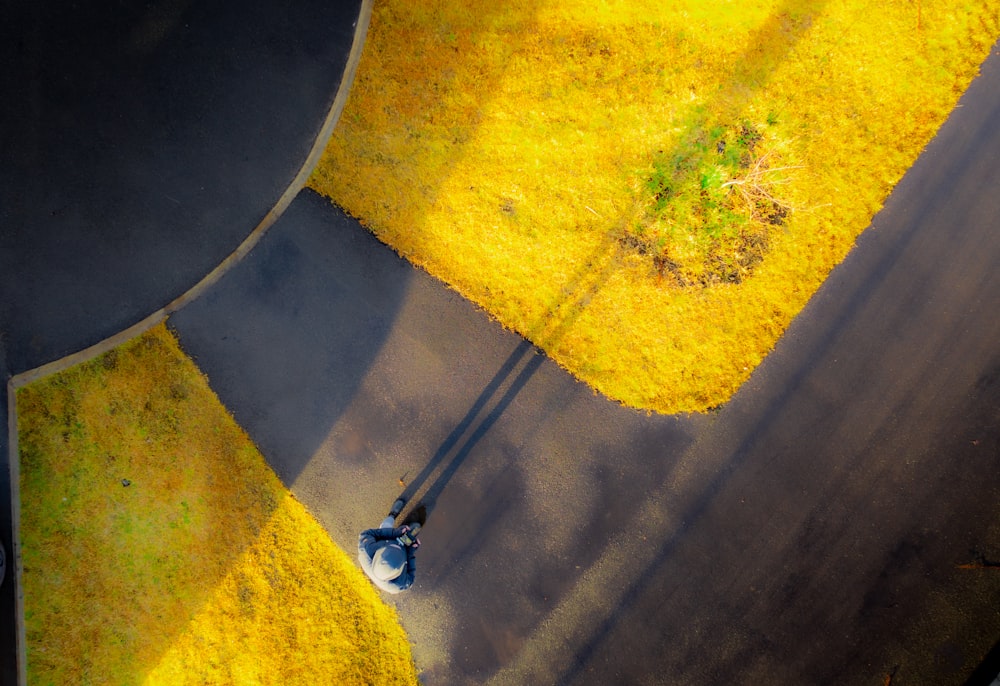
column 387, row 554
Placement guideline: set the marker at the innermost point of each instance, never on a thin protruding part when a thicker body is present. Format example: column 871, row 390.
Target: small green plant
column 711, row 206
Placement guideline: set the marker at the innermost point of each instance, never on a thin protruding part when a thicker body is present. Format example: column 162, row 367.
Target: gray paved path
column 351, row 370
column 813, row 531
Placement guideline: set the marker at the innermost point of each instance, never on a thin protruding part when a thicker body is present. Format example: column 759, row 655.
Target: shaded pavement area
column 837, row 522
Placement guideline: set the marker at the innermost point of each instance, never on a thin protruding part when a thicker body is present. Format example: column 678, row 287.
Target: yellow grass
column 203, row 569
column 511, row 149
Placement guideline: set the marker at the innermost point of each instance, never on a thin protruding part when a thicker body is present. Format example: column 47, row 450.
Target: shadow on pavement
column 429, row 498
column 987, row 672
column 288, row 335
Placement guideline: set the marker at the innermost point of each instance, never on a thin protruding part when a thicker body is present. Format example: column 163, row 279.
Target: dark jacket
column 373, row 539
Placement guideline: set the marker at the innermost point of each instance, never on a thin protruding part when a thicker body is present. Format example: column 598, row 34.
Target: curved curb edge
column 293, row 189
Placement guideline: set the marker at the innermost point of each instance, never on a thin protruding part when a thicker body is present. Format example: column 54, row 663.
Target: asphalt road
column 837, row 522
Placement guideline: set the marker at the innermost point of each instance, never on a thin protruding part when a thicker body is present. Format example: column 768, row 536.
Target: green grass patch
column 649, row 191
column 159, row 548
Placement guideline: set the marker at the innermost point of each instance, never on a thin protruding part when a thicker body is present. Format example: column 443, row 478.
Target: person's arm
column 366, row 541
column 384, row 534
column 405, row 580
column 369, row 536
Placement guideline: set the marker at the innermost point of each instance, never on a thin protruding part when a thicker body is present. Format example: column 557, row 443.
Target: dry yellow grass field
column 159, row 548
column 649, row 191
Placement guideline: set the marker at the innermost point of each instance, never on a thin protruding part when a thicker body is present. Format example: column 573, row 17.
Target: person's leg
column 390, row 521
column 397, row 507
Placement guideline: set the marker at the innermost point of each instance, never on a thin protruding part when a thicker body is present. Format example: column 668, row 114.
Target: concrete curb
column 14, row 564
column 14, row 569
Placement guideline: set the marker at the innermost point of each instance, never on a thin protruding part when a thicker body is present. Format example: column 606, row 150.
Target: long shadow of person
column 467, row 433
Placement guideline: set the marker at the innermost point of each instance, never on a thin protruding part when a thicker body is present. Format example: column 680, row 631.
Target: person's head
column 388, row 562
